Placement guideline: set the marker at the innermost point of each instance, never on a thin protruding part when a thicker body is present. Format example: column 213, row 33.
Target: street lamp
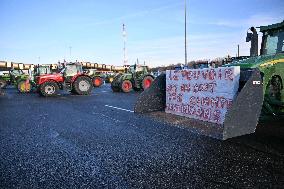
column 185, row 31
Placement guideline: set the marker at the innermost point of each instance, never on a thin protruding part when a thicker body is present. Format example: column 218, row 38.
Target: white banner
column 204, row 94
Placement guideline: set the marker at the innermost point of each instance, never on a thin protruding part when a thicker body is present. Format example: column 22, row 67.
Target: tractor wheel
column 3, row 83
column 126, row 86
column 275, row 87
column 49, row 88
column 272, row 101
column 147, row 82
column 83, row 85
column 136, row 89
column 24, row 86
column 97, row 81
column 115, row 89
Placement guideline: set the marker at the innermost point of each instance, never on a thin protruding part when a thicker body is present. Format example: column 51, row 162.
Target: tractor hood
column 258, row 61
column 50, row 76
column 55, row 77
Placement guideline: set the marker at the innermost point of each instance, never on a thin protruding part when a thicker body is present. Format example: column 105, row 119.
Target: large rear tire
column 3, row 83
column 147, row 82
column 115, row 89
column 126, row 86
column 97, row 81
column 49, row 88
column 24, row 86
column 83, row 85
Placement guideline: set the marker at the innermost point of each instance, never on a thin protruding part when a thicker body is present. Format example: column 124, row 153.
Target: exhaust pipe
column 253, row 38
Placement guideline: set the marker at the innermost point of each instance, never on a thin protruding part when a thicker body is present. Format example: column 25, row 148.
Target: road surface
column 97, row 141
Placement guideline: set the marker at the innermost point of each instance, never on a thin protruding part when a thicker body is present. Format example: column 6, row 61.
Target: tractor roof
column 272, row 27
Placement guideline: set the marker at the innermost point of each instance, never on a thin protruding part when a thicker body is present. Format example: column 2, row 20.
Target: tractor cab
column 272, row 39
column 71, row 70
column 138, row 69
column 14, row 74
column 42, row 70
column 17, row 75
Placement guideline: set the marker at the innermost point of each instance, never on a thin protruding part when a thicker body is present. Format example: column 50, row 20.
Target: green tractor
column 97, row 76
column 270, row 64
column 25, row 85
column 12, row 77
column 136, row 77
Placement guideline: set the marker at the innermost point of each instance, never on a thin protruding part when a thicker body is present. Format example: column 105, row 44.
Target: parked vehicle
column 137, row 77
column 271, row 65
column 71, row 78
column 11, row 77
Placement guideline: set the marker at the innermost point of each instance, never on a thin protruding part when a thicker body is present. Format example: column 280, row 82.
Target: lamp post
column 185, row 31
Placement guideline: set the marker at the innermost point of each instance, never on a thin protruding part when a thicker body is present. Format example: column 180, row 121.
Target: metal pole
column 124, row 44
column 185, row 45
column 70, row 48
column 238, row 50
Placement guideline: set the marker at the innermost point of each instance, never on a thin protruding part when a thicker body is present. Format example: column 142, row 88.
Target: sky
column 35, row 31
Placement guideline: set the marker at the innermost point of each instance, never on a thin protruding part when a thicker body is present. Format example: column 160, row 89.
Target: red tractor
column 71, row 77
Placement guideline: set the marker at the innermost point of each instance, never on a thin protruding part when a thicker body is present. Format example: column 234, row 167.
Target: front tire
column 49, row 88
column 83, row 85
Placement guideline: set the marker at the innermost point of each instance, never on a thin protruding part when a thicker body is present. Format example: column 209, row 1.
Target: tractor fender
column 79, row 75
column 50, row 80
column 148, row 75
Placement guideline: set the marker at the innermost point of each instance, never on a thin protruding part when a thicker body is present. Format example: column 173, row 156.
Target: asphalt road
column 98, row 142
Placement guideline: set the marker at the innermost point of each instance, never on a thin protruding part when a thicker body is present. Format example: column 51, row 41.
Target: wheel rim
column 126, row 86
column 49, row 89
column 98, row 82
column 84, row 85
column 147, row 83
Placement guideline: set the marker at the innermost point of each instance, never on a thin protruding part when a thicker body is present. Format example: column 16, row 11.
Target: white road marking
column 119, row 108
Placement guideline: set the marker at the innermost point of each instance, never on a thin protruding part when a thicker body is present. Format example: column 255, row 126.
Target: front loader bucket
column 240, row 119
column 243, row 116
